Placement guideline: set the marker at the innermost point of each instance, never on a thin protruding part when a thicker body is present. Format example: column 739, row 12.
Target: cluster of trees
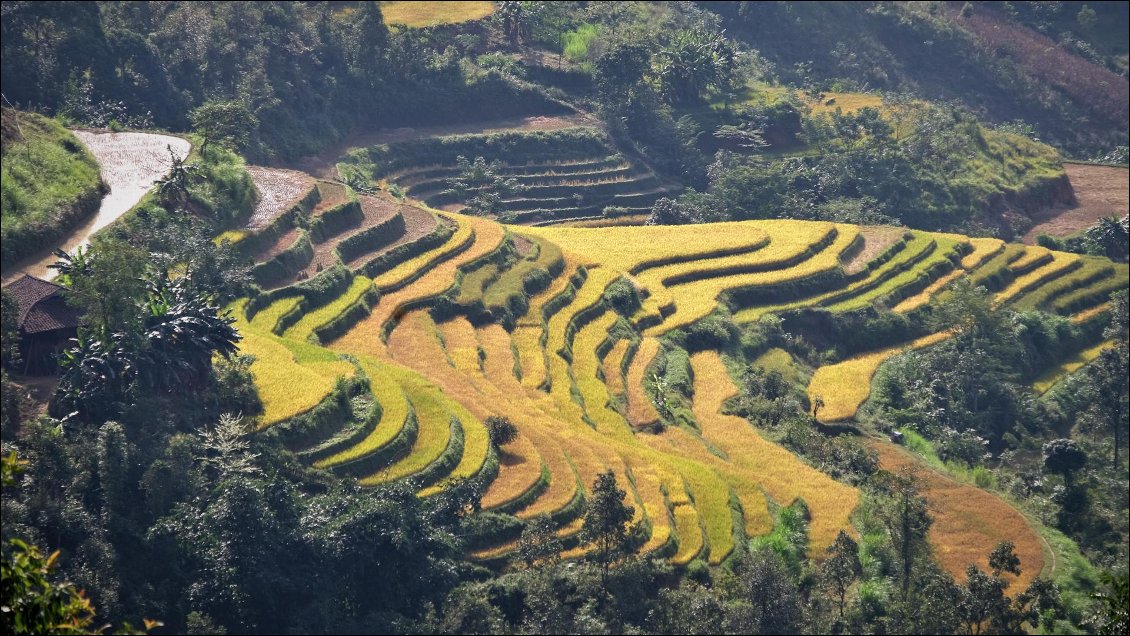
column 969, row 396
column 303, row 73
column 900, row 166
column 935, row 51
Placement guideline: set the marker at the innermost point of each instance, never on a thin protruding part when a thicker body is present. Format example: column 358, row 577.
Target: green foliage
column 606, row 526
column 501, row 430
column 224, row 123
column 575, row 44
column 9, row 330
column 860, row 172
column 623, row 297
column 49, row 182
column 33, row 604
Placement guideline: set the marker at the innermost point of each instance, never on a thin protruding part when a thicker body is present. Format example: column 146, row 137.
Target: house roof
column 42, row 307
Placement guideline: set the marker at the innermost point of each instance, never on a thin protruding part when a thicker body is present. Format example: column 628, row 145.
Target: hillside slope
column 50, row 183
column 992, row 62
column 476, row 319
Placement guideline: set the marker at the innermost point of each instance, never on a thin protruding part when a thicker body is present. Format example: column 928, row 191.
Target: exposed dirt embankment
column 1014, row 212
column 1099, row 191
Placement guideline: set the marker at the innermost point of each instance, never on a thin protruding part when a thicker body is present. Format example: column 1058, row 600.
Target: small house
column 47, row 323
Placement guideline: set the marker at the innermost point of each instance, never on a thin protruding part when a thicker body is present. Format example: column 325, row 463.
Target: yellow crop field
column 434, row 420
column 292, row 377
column 919, row 243
column 1032, row 254
column 690, row 535
column 846, row 385
column 635, row 249
column 783, row 475
column 462, row 237
column 641, row 412
column 394, row 415
column 703, row 478
column 613, row 376
column 1052, row 376
column 425, row 14
column 268, row 317
column 1060, row 262
column 968, row 522
column 983, row 250
column 699, row 298
column 415, row 343
column 484, row 237
column 786, row 239
column 910, row 303
column 304, row 328
column 1088, row 314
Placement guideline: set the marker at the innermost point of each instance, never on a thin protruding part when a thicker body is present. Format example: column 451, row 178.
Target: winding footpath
column 130, row 162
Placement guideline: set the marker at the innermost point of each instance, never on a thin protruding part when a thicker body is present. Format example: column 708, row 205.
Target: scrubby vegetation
column 50, row 183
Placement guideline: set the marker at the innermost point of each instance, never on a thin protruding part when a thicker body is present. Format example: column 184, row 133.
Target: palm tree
column 172, row 189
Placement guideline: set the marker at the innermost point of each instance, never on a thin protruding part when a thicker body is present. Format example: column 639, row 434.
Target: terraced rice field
column 845, row 386
column 425, row 14
column 553, row 357
column 968, row 522
column 278, row 190
column 1054, row 375
column 556, row 182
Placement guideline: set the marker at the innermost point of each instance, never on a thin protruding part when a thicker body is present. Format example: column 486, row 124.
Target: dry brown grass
column 968, row 522
column 876, row 240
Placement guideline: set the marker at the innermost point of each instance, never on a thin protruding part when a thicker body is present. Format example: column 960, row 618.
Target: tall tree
column 224, row 123
column 903, row 511
column 842, row 567
column 606, row 523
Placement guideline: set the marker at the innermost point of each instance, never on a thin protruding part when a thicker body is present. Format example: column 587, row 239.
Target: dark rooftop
column 42, row 307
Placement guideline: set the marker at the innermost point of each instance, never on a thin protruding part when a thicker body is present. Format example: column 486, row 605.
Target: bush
column 623, row 297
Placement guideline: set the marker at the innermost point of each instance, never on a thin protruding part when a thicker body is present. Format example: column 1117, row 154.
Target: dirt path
column 968, row 521
column 324, row 164
column 131, row 162
column 1100, row 191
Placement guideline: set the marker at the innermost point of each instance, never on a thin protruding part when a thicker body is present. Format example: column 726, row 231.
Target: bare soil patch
column 417, row 224
column 324, row 164
column 284, row 241
column 876, row 240
column 968, row 522
column 374, row 211
column 331, row 194
column 1099, row 191
column 278, row 191
column 1087, row 83
column 522, row 245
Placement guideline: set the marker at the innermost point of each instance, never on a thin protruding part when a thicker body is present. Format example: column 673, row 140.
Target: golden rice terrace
column 441, row 320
